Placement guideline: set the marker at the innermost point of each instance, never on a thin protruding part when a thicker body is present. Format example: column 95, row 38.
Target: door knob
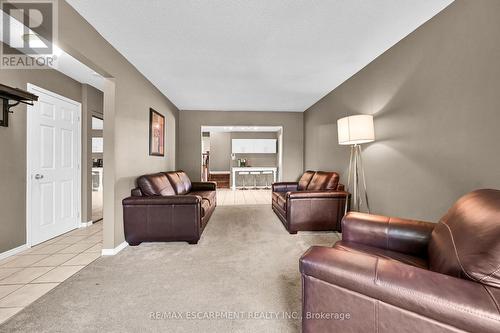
column 38, row 176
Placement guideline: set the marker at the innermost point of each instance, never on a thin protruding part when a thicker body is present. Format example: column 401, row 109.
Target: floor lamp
column 354, row 131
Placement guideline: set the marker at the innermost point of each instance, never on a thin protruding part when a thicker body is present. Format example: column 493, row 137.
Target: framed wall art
column 156, row 133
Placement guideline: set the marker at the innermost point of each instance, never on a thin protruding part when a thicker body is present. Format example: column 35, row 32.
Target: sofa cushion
column 323, row 181
column 466, row 241
column 185, row 180
column 207, row 195
column 155, row 184
column 381, row 253
column 180, row 181
column 304, row 180
column 275, row 196
column 281, row 200
column 205, row 207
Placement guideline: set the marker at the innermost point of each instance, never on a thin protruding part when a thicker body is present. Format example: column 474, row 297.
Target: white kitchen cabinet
column 254, row 146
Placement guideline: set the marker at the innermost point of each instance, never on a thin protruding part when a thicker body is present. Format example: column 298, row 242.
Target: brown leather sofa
column 391, row 275
column 316, row 202
column 167, row 206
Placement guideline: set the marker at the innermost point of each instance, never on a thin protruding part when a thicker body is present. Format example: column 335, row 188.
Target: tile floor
column 243, row 197
column 28, row 275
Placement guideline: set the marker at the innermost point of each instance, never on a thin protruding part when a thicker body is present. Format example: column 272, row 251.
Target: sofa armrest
column 315, row 210
column 317, row 194
column 162, row 200
column 203, row 186
column 285, row 186
column 463, row 304
column 390, row 233
column 340, row 187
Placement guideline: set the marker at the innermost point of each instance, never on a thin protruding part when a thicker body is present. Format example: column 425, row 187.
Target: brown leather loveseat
column 391, row 275
column 167, row 206
column 316, row 202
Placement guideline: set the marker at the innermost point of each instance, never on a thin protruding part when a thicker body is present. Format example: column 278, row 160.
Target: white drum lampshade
column 354, row 130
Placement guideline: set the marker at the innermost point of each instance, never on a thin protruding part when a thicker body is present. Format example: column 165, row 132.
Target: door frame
column 279, row 139
column 36, row 89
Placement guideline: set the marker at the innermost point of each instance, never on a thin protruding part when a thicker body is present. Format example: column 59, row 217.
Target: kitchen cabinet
column 254, row 146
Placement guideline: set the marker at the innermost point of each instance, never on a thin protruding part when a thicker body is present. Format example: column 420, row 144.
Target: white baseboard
column 112, row 252
column 85, row 224
column 13, row 251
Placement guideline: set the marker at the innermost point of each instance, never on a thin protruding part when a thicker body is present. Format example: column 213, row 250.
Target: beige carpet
column 241, row 277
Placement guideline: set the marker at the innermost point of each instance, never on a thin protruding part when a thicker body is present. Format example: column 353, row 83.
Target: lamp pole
column 357, row 175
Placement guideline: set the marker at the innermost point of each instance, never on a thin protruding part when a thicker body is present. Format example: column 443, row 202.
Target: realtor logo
column 29, row 32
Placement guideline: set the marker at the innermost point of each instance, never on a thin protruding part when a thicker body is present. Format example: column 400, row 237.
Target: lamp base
column 358, row 180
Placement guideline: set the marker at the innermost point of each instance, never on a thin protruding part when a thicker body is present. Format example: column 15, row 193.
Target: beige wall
column 190, row 122
column 435, row 98
column 13, row 151
column 128, row 97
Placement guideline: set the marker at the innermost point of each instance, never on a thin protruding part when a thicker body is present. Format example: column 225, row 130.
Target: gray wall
column 220, row 151
column 190, row 122
column 435, row 98
column 13, row 151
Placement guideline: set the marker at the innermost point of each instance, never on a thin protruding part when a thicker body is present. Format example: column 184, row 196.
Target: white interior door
column 54, row 180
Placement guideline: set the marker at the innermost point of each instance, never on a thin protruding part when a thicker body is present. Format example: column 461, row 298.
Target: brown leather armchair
column 395, row 275
column 167, row 206
column 316, row 202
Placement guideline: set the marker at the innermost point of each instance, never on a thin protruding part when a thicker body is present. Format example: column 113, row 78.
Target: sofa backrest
column 322, row 180
column 305, row 179
column 155, row 184
column 180, row 181
column 466, row 241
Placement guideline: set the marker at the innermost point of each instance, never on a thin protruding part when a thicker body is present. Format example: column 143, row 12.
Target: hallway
column 243, row 197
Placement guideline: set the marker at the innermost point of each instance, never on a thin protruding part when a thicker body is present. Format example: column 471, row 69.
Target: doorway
column 97, row 166
column 53, row 166
column 243, row 160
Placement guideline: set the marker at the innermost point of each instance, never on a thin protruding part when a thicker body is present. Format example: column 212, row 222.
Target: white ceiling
column 78, row 71
column 258, row 55
column 65, row 63
column 240, row 128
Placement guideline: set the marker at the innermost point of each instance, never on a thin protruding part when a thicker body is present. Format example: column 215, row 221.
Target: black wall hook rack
column 15, row 95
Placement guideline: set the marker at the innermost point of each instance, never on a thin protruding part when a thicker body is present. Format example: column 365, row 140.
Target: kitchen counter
column 234, row 170
column 219, row 172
